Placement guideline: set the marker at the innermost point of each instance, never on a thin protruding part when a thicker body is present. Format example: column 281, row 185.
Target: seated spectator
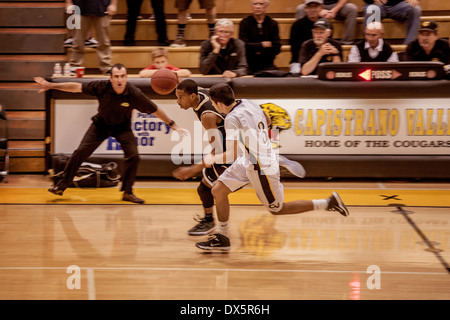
column 340, row 10
column 160, row 59
column 321, row 48
column 401, row 10
column 373, row 48
column 261, row 36
column 222, row 54
column 428, row 46
column 301, row 31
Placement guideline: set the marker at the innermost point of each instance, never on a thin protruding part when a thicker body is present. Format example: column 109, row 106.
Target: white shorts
column 268, row 188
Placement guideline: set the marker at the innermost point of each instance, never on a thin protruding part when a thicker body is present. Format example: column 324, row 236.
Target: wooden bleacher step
column 21, row 96
column 24, row 67
column 26, row 125
column 32, row 14
column 32, row 40
column 196, row 28
column 26, row 149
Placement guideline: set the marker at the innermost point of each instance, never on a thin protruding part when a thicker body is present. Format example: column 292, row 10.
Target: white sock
column 223, row 228
column 321, row 204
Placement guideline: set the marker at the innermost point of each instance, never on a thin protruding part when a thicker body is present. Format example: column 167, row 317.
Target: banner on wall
column 307, row 126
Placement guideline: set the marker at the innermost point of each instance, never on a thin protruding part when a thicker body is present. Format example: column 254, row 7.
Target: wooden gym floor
column 90, row 245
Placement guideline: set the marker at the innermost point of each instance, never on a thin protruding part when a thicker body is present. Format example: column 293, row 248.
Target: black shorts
column 212, row 174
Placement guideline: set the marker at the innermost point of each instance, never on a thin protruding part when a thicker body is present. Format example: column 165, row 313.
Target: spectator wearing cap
column 407, row 11
column 373, row 48
column 321, row 48
column 301, row 31
column 336, row 9
column 428, row 46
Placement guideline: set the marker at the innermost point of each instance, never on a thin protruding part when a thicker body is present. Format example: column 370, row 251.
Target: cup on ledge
column 79, row 72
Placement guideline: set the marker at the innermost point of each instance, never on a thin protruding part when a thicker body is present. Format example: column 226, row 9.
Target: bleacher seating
column 139, row 56
column 20, row 62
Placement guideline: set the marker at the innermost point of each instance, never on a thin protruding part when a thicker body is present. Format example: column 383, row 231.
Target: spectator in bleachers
column 340, row 10
column 261, row 36
column 134, row 8
column 96, row 13
column 160, row 60
column 183, row 6
column 301, row 31
column 373, row 48
column 428, row 46
column 223, row 54
column 321, row 48
column 401, row 10
column 90, row 41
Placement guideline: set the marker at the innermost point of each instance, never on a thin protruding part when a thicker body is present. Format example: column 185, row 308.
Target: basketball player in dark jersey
column 190, row 96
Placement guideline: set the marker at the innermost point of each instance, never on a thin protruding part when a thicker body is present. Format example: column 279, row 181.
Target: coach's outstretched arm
column 73, row 87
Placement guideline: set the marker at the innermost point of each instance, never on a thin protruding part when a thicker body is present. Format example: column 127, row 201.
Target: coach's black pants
column 134, row 8
column 91, row 140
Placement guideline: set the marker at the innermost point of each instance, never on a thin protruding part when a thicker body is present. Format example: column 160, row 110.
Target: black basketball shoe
column 215, row 241
column 336, row 204
column 56, row 190
column 203, row 227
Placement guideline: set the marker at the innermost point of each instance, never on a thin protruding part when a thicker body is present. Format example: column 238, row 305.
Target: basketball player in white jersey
column 254, row 162
column 189, row 96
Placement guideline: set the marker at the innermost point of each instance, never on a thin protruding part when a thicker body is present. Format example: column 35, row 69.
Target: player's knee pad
column 205, row 195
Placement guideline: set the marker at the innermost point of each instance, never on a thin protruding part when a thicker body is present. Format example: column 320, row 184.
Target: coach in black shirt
column 428, row 46
column 117, row 98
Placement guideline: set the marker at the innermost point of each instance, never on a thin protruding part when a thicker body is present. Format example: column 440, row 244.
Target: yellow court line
column 179, row 196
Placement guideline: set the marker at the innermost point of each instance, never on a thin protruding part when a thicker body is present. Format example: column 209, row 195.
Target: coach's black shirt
column 440, row 52
column 114, row 110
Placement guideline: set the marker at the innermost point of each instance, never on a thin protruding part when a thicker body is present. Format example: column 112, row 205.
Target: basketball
column 164, row 81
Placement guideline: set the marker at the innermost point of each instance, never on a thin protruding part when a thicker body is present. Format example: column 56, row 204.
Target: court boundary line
column 285, row 187
column 196, row 204
column 222, row 270
column 431, row 247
